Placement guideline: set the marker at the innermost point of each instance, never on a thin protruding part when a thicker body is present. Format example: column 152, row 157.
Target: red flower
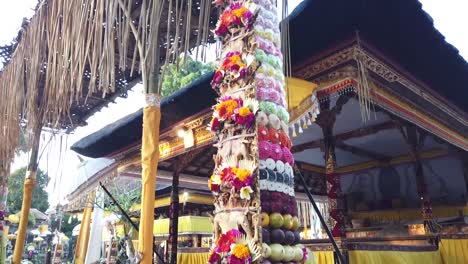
column 225, row 241
column 238, row 184
column 234, row 260
column 215, row 124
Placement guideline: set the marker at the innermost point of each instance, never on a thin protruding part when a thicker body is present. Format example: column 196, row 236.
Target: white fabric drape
column 97, row 225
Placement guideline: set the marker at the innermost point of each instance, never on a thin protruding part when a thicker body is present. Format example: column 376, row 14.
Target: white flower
column 245, row 192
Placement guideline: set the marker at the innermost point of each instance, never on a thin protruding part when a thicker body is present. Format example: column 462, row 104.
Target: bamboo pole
column 29, row 184
column 83, row 237
column 4, row 172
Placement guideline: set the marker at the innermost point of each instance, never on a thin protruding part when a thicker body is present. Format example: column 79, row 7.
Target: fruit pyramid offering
column 255, row 218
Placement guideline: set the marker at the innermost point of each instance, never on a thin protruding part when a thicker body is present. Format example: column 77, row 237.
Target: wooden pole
column 83, row 237
column 174, row 217
column 29, row 184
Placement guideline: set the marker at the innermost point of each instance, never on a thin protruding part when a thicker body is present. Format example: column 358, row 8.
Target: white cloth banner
column 95, row 237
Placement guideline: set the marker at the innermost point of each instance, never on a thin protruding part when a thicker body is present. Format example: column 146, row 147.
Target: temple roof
column 400, row 29
column 188, row 101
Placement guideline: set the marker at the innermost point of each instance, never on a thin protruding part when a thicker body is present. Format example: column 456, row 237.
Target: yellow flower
column 214, row 179
column 245, row 192
column 235, row 58
column 244, row 111
column 239, row 12
column 241, row 251
column 241, row 174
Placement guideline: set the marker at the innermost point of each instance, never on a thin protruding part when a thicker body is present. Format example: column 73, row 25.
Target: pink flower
column 249, row 120
column 217, row 78
column 276, row 153
column 214, row 258
column 264, row 149
column 234, row 260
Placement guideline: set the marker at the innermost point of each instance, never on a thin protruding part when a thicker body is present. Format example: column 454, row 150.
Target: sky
column 61, row 163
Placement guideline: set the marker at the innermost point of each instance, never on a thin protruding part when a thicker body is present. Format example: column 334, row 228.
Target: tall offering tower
column 255, row 219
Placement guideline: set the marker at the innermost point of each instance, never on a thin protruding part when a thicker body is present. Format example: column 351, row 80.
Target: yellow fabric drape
column 454, row 251
column 192, row 258
column 297, row 90
column 187, row 224
column 191, row 198
column 385, row 257
column 29, row 184
column 149, row 165
column 324, row 257
column 81, row 247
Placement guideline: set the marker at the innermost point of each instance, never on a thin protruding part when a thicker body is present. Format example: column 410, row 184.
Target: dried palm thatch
column 77, row 50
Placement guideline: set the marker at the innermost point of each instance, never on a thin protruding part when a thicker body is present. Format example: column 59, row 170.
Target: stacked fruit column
column 253, row 183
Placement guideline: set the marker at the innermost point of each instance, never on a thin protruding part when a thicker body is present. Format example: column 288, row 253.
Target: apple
column 277, row 252
column 295, row 223
column 287, row 221
column 265, row 219
column 276, row 220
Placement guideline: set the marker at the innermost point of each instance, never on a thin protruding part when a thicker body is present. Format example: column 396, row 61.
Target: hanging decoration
column 256, row 216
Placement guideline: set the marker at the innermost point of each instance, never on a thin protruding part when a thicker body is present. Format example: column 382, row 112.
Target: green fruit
column 298, row 254
column 265, row 219
column 276, row 220
column 287, row 222
column 277, row 252
column 289, row 253
column 295, row 223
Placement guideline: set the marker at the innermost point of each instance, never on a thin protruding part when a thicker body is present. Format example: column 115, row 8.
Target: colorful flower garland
column 232, row 68
column 233, row 246
column 235, row 111
column 238, row 15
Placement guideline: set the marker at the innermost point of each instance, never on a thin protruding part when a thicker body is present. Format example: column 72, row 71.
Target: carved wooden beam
column 361, row 132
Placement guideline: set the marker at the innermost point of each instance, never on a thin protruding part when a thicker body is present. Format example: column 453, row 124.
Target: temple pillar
column 83, row 237
column 174, row 218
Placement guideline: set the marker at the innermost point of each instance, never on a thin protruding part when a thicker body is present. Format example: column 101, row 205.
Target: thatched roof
column 74, row 57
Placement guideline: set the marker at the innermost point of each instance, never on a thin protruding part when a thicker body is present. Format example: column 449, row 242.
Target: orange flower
column 241, row 251
column 241, row 174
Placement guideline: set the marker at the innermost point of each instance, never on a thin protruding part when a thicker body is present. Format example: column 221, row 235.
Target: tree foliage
column 15, row 191
column 176, row 78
